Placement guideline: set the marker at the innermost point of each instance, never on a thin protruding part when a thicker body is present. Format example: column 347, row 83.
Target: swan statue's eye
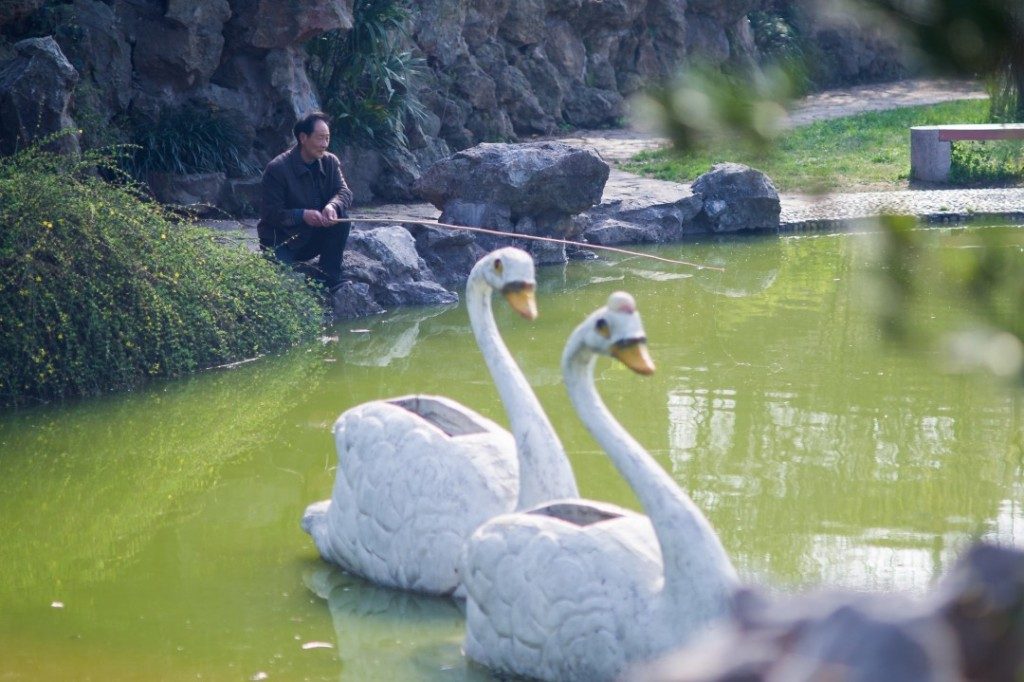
column 498, row 267
column 602, row 328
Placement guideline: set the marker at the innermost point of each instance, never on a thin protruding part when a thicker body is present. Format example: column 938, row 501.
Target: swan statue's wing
column 559, row 595
column 416, row 476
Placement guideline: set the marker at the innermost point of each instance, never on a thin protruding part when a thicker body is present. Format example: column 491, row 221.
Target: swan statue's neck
column 544, row 470
column 691, row 551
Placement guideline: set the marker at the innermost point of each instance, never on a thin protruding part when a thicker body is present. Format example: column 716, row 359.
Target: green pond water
column 156, row 535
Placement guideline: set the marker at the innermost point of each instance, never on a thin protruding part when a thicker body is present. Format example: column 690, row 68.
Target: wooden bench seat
column 931, row 146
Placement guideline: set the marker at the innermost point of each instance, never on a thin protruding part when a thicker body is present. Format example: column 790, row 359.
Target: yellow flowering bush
column 101, row 289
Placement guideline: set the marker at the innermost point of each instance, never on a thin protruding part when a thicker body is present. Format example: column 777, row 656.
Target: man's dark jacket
column 289, row 186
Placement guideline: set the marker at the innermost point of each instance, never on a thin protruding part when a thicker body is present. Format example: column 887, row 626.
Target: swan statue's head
column 510, row 271
column 615, row 330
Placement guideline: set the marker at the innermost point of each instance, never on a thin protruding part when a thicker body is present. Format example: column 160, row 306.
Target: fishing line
column 516, row 235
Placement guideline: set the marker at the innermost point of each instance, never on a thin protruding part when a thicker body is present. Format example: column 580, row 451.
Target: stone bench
column 931, row 146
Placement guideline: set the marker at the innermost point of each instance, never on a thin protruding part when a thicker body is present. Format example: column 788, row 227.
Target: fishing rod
column 516, row 235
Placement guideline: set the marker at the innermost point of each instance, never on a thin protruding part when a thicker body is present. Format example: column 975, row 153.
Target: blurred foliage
column 99, row 289
column 707, row 106
column 966, row 38
column 977, row 272
column 867, row 150
column 189, row 139
column 366, row 80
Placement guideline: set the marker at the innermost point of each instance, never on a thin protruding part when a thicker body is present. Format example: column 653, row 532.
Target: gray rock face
column 13, row 10
column 383, row 268
column 737, row 198
column 269, row 25
column 642, row 221
column 531, row 179
column 531, row 189
column 199, row 192
column 35, row 95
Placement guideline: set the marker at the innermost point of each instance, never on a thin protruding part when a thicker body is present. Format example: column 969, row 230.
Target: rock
column 982, row 598
column 418, row 293
column 269, row 24
column 13, row 10
column 359, row 267
column 855, row 638
column 588, row 107
column 450, row 254
column 180, row 47
column 352, row 300
column 534, row 178
column 95, row 44
column 240, row 197
column 36, row 89
column 969, row 627
column 737, row 198
column 642, row 221
column 393, row 247
column 198, row 192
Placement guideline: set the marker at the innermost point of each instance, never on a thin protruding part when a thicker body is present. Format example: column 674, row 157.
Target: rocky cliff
column 497, row 70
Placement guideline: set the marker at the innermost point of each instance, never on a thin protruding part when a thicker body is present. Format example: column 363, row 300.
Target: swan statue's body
column 418, row 474
column 578, row 590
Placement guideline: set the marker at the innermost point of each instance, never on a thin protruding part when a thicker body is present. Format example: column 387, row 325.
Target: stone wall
column 498, row 70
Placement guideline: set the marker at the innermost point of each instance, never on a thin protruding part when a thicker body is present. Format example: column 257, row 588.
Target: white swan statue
column 579, row 590
column 418, row 474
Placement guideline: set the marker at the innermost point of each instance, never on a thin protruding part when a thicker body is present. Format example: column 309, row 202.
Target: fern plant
column 365, row 77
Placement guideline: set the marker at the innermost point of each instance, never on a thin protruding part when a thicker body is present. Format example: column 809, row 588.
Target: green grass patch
column 100, row 290
column 866, row 151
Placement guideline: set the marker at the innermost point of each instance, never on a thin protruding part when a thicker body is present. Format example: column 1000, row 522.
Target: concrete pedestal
column 930, row 157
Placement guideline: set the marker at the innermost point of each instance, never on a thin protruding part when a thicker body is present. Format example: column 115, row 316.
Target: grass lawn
column 856, row 153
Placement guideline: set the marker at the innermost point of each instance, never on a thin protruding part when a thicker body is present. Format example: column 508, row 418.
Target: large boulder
column 36, row 89
column 737, row 198
column 531, row 189
column 385, row 264
column 531, row 179
column 642, row 220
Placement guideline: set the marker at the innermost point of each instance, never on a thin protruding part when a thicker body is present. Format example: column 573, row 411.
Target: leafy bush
column 365, row 79
column 190, row 139
column 995, row 162
column 99, row 289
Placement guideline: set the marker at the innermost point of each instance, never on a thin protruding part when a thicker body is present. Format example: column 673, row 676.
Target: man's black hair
column 306, row 123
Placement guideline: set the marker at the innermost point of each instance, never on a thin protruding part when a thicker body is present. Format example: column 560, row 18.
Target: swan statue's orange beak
column 634, row 355
column 520, row 296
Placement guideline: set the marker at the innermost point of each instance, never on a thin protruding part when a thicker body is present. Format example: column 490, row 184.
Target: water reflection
column 392, row 635
column 85, row 488
column 819, row 454
column 380, row 341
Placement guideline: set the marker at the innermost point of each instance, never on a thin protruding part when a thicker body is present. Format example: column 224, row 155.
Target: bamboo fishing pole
column 516, row 235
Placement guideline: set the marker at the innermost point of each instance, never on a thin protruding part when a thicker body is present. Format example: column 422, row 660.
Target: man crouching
column 304, row 198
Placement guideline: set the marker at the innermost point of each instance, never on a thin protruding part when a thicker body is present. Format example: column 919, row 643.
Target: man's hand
column 330, row 214
column 314, row 218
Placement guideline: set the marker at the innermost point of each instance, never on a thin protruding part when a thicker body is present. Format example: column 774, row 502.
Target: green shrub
column 190, row 139
column 995, row 162
column 99, row 289
column 365, row 79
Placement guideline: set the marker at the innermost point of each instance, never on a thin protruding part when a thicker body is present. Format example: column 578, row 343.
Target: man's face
column 315, row 144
